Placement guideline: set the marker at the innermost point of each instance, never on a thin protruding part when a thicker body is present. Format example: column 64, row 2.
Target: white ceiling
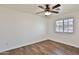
column 32, row 8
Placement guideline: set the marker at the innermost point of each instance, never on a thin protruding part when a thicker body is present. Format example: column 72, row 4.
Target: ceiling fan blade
column 54, row 11
column 40, row 12
column 41, row 7
column 58, row 5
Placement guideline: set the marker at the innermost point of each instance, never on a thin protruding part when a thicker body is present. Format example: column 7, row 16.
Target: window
column 59, row 26
column 65, row 25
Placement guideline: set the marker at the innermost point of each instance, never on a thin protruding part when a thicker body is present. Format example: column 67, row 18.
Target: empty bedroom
column 39, row 29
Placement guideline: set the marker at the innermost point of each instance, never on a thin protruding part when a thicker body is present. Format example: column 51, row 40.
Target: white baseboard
column 70, row 44
column 21, row 45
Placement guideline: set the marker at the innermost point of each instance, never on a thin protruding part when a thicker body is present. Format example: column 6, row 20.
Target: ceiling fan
column 49, row 10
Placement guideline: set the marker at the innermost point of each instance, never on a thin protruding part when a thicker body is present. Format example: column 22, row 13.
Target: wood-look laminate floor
column 47, row 47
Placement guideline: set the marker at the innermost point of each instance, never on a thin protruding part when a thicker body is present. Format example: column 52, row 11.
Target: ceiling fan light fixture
column 47, row 13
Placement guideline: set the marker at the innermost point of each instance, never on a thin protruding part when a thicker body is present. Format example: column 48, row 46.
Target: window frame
column 63, row 19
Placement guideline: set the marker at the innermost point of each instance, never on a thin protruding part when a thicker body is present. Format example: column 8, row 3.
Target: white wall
column 19, row 29
column 70, row 39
